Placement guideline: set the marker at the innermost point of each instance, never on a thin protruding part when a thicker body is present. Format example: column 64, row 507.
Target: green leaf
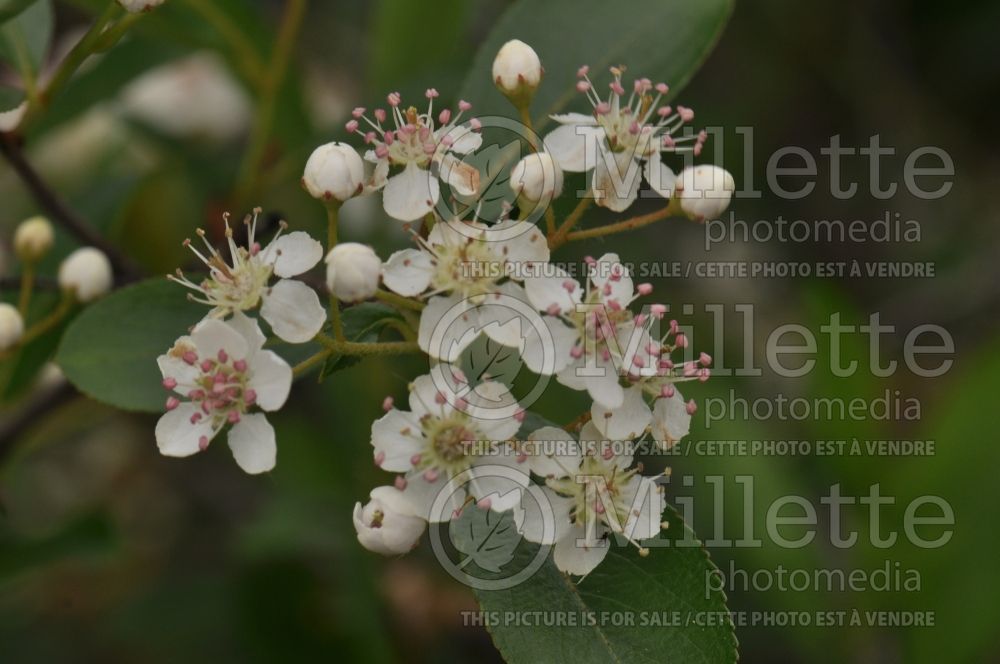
column 487, row 538
column 10, row 98
column 362, row 323
column 675, row 618
column 24, row 40
column 486, row 359
column 109, row 352
column 11, row 8
column 664, row 40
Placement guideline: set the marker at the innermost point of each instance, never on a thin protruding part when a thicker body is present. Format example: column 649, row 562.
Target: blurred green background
column 110, row 552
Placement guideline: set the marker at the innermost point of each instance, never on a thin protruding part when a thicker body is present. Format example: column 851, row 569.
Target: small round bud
column 136, row 6
column 353, row 271
column 704, row 191
column 11, row 326
column 33, row 239
column 9, row 120
column 334, row 171
column 517, row 71
column 87, row 273
column 536, row 178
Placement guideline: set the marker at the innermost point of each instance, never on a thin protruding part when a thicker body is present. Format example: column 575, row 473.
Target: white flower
column 443, row 436
column 352, row 271
column 517, row 71
column 618, row 137
column 603, row 339
column 671, row 419
column 334, row 171
column 136, row 6
column 424, row 146
column 33, row 239
column 87, row 273
column 705, row 191
column 223, row 372
column 10, row 120
column 193, row 97
column 11, row 326
column 387, row 524
column 536, row 180
column 470, row 270
column 591, row 492
column 292, row 308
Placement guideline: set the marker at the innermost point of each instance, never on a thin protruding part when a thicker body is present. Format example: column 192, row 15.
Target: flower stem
column 558, row 238
column 78, row 54
column 27, row 287
column 267, row 96
column 332, row 216
column 399, row 300
column 49, row 322
column 622, row 226
column 550, row 213
column 244, row 52
column 335, row 347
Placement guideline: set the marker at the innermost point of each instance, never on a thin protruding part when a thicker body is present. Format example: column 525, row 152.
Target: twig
column 61, row 213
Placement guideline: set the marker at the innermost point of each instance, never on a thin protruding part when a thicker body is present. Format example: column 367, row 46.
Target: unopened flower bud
column 87, row 273
column 388, row 524
column 334, row 171
column 704, row 191
column 352, row 271
column 517, row 71
column 536, row 178
column 11, row 119
column 11, row 326
column 136, row 6
column 33, row 239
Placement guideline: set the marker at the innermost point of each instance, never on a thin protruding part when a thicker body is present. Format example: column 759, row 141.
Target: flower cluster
column 462, row 442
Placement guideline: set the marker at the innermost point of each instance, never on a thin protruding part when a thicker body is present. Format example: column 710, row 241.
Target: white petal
column 376, row 174
column 616, row 181
column 464, row 139
column 574, row 146
column 544, row 515
column 396, row 438
column 525, row 244
column 293, row 254
column 408, row 272
column 252, row 443
column 185, row 374
column 463, row 177
column 579, row 559
column 659, row 176
column 492, row 408
column 645, row 504
column 671, row 420
column 574, row 118
column 613, row 281
column 250, row 330
column 176, row 436
column 554, row 453
column 447, row 326
column 293, row 311
column 547, row 286
column 626, row 422
column 547, row 354
column 211, row 335
column 427, row 397
column 421, row 495
column 271, row 379
column 410, row 194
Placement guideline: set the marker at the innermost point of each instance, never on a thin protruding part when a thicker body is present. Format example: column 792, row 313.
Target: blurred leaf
column 109, row 352
column 10, row 98
column 11, row 8
column 20, row 372
column 83, row 536
column 24, row 40
column 420, row 40
column 362, row 323
column 665, row 40
column 486, row 537
column 670, row 582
